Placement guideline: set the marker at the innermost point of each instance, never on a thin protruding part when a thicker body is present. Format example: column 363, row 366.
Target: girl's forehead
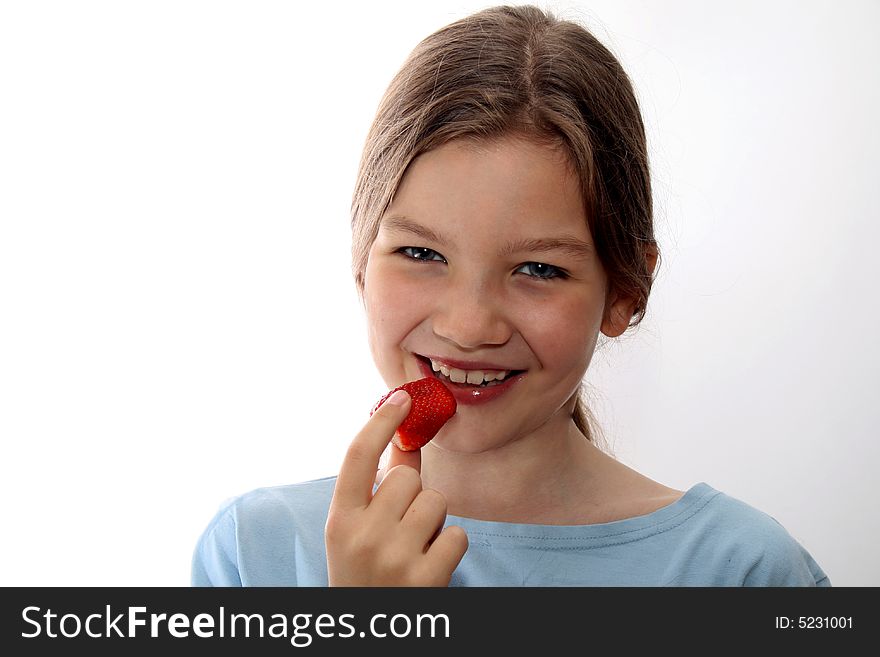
column 507, row 184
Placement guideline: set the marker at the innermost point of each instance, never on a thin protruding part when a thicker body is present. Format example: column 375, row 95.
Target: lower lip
column 474, row 395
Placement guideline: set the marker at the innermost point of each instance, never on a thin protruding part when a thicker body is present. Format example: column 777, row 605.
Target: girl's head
column 501, row 77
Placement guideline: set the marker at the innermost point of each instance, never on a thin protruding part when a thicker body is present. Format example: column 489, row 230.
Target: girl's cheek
column 394, row 301
column 394, row 290
column 558, row 328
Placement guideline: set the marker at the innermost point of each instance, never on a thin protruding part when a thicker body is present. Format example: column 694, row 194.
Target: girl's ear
column 619, row 309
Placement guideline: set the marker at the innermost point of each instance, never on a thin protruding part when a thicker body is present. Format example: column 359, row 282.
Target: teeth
column 473, row 377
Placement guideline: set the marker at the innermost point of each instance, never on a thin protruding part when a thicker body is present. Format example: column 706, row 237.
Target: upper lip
column 470, row 364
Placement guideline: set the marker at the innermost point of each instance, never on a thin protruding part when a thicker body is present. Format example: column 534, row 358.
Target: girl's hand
column 390, row 538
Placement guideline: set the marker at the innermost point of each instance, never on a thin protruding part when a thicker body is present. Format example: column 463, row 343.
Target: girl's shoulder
column 271, row 536
column 272, row 504
column 767, row 553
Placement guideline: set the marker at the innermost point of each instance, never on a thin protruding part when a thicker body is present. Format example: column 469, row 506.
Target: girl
column 502, row 219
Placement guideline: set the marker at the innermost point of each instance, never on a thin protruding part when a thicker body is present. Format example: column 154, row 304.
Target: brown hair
column 507, row 70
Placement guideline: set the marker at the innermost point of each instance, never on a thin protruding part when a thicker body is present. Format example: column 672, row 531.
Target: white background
column 178, row 323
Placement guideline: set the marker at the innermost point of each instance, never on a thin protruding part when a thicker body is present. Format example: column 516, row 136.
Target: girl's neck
column 541, row 479
column 553, row 477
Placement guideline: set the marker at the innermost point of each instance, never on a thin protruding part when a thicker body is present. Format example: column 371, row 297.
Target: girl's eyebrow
column 403, row 224
column 573, row 246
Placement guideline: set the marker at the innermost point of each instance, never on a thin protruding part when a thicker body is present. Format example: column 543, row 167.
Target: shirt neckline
column 497, row 532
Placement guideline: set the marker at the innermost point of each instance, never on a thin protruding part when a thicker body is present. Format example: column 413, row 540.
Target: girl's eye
column 420, row 253
column 541, row 270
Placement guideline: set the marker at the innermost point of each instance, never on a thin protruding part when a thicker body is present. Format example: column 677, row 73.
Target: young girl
column 502, row 219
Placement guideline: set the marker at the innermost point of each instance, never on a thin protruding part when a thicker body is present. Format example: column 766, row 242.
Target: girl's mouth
column 471, row 387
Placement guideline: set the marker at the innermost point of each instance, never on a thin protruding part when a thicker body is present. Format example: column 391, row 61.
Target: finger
column 395, row 456
column 425, row 517
column 354, row 484
column 447, row 550
column 396, row 492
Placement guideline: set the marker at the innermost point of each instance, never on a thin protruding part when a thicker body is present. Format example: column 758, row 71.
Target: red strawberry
column 432, row 405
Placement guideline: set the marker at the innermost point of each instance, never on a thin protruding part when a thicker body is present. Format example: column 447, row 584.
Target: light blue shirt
column 275, row 537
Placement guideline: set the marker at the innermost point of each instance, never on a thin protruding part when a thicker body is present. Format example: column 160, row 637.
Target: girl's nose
column 471, row 315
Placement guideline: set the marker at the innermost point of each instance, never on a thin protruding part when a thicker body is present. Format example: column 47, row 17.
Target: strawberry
column 432, row 405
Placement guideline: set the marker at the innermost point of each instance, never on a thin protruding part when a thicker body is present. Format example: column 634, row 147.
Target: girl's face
column 484, row 263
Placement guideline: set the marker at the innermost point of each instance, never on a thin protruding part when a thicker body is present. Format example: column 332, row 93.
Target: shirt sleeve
column 783, row 561
column 215, row 559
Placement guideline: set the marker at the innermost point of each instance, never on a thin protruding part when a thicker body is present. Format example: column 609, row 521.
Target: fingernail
column 398, row 398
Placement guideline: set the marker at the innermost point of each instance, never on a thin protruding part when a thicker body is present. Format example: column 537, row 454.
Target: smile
column 473, row 377
column 471, row 386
